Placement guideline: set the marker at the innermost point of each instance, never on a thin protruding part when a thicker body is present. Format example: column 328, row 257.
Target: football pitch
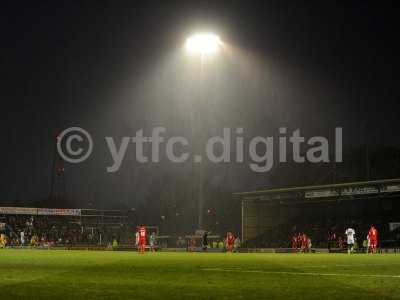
column 58, row 274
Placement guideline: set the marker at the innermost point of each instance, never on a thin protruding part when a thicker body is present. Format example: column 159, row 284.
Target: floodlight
column 203, row 43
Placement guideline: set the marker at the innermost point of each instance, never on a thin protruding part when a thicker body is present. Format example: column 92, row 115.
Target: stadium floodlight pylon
column 57, row 185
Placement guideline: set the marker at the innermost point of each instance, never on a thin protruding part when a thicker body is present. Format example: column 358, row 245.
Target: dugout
column 370, row 201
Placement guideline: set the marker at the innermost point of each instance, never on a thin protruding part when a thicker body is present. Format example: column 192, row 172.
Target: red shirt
column 142, row 233
column 373, row 234
column 230, row 239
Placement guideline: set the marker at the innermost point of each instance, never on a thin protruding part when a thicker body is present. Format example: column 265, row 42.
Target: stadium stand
column 270, row 217
column 66, row 227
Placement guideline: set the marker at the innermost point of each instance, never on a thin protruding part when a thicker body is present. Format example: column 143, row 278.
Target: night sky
column 114, row 67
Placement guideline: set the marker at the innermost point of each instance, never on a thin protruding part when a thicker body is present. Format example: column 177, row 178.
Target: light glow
column 203, row 43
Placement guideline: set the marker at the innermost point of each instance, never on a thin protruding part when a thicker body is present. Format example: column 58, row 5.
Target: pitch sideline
column 300, row 273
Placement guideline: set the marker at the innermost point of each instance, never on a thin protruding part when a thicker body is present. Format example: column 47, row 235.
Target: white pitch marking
column 330, row 266
column 300, row 273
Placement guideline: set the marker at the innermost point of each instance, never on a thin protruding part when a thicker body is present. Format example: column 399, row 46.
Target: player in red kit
column 299, row 240
column 294, row 243
column 142, row 239
column 304, row 243
column 230, row 241
column 373, row 239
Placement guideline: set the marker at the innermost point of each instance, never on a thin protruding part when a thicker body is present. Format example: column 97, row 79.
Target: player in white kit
column 137, row 239
column 22, row 238
column 350, row 233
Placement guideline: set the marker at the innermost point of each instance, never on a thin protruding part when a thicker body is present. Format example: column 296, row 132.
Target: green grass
column 47, row 274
